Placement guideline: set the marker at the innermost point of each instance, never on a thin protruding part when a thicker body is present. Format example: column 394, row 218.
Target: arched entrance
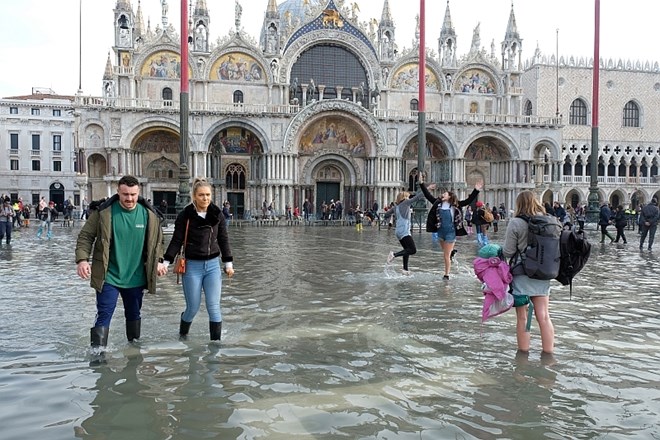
column 56, row 194
column 328, row 187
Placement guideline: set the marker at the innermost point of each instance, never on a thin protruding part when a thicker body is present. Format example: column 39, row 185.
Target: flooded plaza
column 322, row 341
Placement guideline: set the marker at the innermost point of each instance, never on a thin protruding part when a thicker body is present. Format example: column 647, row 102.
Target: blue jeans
column 106, row 301
column 202, row 274
column 5, row 231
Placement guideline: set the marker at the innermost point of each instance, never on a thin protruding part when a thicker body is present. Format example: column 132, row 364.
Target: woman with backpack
column 537, row 291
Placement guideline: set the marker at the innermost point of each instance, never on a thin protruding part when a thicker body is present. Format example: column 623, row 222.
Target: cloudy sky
column 39, row 39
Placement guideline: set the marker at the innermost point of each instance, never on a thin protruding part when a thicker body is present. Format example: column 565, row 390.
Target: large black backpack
column 575, row 251
column 541, row 259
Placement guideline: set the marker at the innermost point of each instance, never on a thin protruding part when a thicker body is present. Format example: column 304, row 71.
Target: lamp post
column 593, row 210
column 420, row 206
column 183, row 197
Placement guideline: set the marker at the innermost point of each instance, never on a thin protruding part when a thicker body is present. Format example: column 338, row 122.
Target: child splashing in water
column 402, row 210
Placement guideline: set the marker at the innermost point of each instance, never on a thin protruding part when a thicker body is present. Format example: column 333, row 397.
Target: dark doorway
column 56, row 195
column 169, row 197
column 236, row 204
column 326, row 191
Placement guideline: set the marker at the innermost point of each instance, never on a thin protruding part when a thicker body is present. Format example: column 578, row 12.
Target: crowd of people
column 123, row 235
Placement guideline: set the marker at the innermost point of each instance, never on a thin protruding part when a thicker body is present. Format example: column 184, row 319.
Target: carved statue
column 163, row 4
column 354, row 10
column 239, row 11
column 476, row 39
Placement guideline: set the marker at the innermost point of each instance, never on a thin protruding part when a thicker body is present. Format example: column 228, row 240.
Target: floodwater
column 322, row 341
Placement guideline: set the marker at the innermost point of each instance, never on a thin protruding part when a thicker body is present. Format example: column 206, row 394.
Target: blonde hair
column 526, row 204
column 401, row 197
column 198, row 183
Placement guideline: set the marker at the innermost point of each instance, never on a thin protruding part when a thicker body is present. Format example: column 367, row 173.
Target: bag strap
column 185, row 240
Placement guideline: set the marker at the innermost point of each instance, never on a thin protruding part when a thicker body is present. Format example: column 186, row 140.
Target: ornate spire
column 511, row 28
column 386, row 16
column 447, row 25
column 271, row 10
column 447, row 41
column 512, row 45
column 139, row 21
column 107, row 75
column 200, row 8
column 124, row 4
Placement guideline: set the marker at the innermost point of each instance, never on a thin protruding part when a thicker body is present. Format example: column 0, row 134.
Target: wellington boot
column 133, row 330
column 98, row 341
column 184, row 328
column 215, row 328
column 99, row 336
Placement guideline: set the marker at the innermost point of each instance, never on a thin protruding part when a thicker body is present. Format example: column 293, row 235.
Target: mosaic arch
column 487, row 149
column 475, row 81
column 406, row 77
column 163, row 64
column 435, row 149
column 333, row 133
column 237, row 66
column 157, row 141
column 236, row 140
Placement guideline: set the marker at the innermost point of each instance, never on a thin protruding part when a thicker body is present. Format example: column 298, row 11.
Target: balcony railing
column 242, row 108
column 612, row 180
column 35, row 153
column 13, row 152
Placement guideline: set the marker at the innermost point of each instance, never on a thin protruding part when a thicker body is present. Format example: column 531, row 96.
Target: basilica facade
column 323, row 105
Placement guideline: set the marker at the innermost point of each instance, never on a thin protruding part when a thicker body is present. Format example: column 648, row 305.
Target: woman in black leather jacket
column 202, row 231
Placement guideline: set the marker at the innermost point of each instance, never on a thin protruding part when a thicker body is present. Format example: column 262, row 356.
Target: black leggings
column 409, row 248
column 620, row 234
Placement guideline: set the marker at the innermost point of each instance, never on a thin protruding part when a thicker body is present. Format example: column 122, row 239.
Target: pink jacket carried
column 495, row 273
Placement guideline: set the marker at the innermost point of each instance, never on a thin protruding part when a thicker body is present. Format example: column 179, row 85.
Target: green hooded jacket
column 96, row 236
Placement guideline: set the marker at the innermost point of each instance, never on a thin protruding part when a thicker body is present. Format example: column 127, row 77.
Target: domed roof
column 297, row 7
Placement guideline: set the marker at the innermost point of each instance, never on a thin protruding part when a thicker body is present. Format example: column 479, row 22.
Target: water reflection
column 322, row 341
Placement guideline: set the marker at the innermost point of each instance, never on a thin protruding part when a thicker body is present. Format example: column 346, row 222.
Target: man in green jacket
column 124, row 239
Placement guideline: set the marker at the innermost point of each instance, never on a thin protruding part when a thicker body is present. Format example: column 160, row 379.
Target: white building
column 324, row 106
column 37, row 147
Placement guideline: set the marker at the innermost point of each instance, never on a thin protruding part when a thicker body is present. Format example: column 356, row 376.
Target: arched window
column 238, row 97
column 528, row 108
column 578, row 113
column 167, row 97
column 631, row 115
column 414, row 105
column 347, row 72
column 235, row 177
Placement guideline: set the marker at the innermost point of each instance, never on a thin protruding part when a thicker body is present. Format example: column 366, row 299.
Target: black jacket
column 433, row 222
column 207, row 237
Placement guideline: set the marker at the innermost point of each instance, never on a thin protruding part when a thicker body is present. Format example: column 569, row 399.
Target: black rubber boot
column 98, row 340
column 215, row 328
column 133, row 330
column 99, row 336
column 184, row 328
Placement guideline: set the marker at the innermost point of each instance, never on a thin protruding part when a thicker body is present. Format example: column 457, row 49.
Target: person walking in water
column 47, row 216
column 620, row 222
column 202, row 230
column 525, row 289
column 446, row 218
column 648, row 223
column 123, row 239
column 604, row 222
column 402, row 210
